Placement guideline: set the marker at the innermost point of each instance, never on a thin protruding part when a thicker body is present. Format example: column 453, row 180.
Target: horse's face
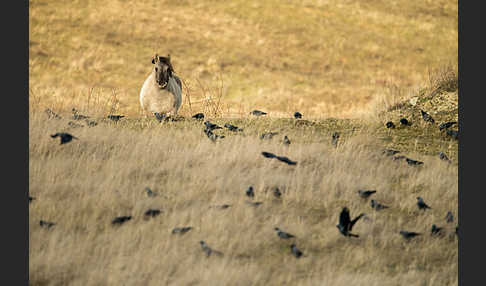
column 162, row 70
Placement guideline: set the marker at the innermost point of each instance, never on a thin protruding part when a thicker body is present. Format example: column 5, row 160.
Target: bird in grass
column 258, row 113
column 377, row 206
column 426, row 117
column 346, row 224
column 390, row 152
column 453, row 133
column 405, row 122
column 181, row 230
column 335, row 138
column 390, row 124
column 366, row 193
column 208, row 250
column 232, row 127
column 65, row 137
column 276, row 192
column 120, row 220
column 152, row 213
column 149, row 192
column 297, row 115
column 255, row 204
column 449, row 217
column 408, row 234
column 283, row 234
column 286, row 140
column 211, row 135
column 115, row 117
column 286, row 160
column 198, row 116
column 77, row 116
column 421, row 204
column 295, row 251
column 268, row 135
column 436, row 230
column 443, row 157
column 52, row 114
column 211, row 126
column 46, row 224
column 446, row 125
column 250, row 193
column 222, row 207
column 413, row 162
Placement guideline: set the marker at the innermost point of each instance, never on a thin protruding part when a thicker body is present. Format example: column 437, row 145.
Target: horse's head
column 162, row 70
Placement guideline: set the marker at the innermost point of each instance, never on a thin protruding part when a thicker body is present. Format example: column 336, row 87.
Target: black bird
column 436, row 230
column 250, row 193
column 283, row 234
column 268, row 155
column 268, row 135
column 198, row 116
column 65, row 137
column 77, row 116
column 453, row 133
column 413, row 162
column 449, row 217
column 426, row 117
column 121, row 219
column 152, row 212
column 149, row 192
column 408, row 234
column 225, row 206
column 181, row 230
column 286, row 160
column 377, row 206
column 295, row 251
column 421, row 204
column 390, row 124
column 390, row 152
column 211, row 135
column 257, row 112
column 74, row 125
column 211, row 126
column 232, row 127
column 286, row 140
column 255, row 204
column 208, row 250
column 346, row 224
column 443, row 157
column 31, row 199
column 276, row 192
column 404, row 121
column 47, row 224
column 297, row 115
column 335, row 138
column 115, row 117
column 52, row 114
column 161, row 116
column 366, row 193
column 446, row 125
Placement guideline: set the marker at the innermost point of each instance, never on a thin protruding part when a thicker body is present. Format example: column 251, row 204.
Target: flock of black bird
column 345, row 224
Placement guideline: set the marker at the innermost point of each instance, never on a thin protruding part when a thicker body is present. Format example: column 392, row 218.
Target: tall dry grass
column 84, row 184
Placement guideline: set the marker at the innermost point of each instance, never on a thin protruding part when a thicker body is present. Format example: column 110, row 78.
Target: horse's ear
column 155, row 59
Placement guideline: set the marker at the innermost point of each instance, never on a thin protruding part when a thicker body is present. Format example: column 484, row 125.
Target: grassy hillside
column 349, row 67
column 319, row 57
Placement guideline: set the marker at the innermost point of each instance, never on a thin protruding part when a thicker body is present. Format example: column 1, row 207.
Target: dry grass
column 321, row 58
column 84, row 184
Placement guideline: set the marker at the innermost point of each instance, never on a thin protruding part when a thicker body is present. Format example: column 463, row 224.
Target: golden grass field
column 347, row 67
